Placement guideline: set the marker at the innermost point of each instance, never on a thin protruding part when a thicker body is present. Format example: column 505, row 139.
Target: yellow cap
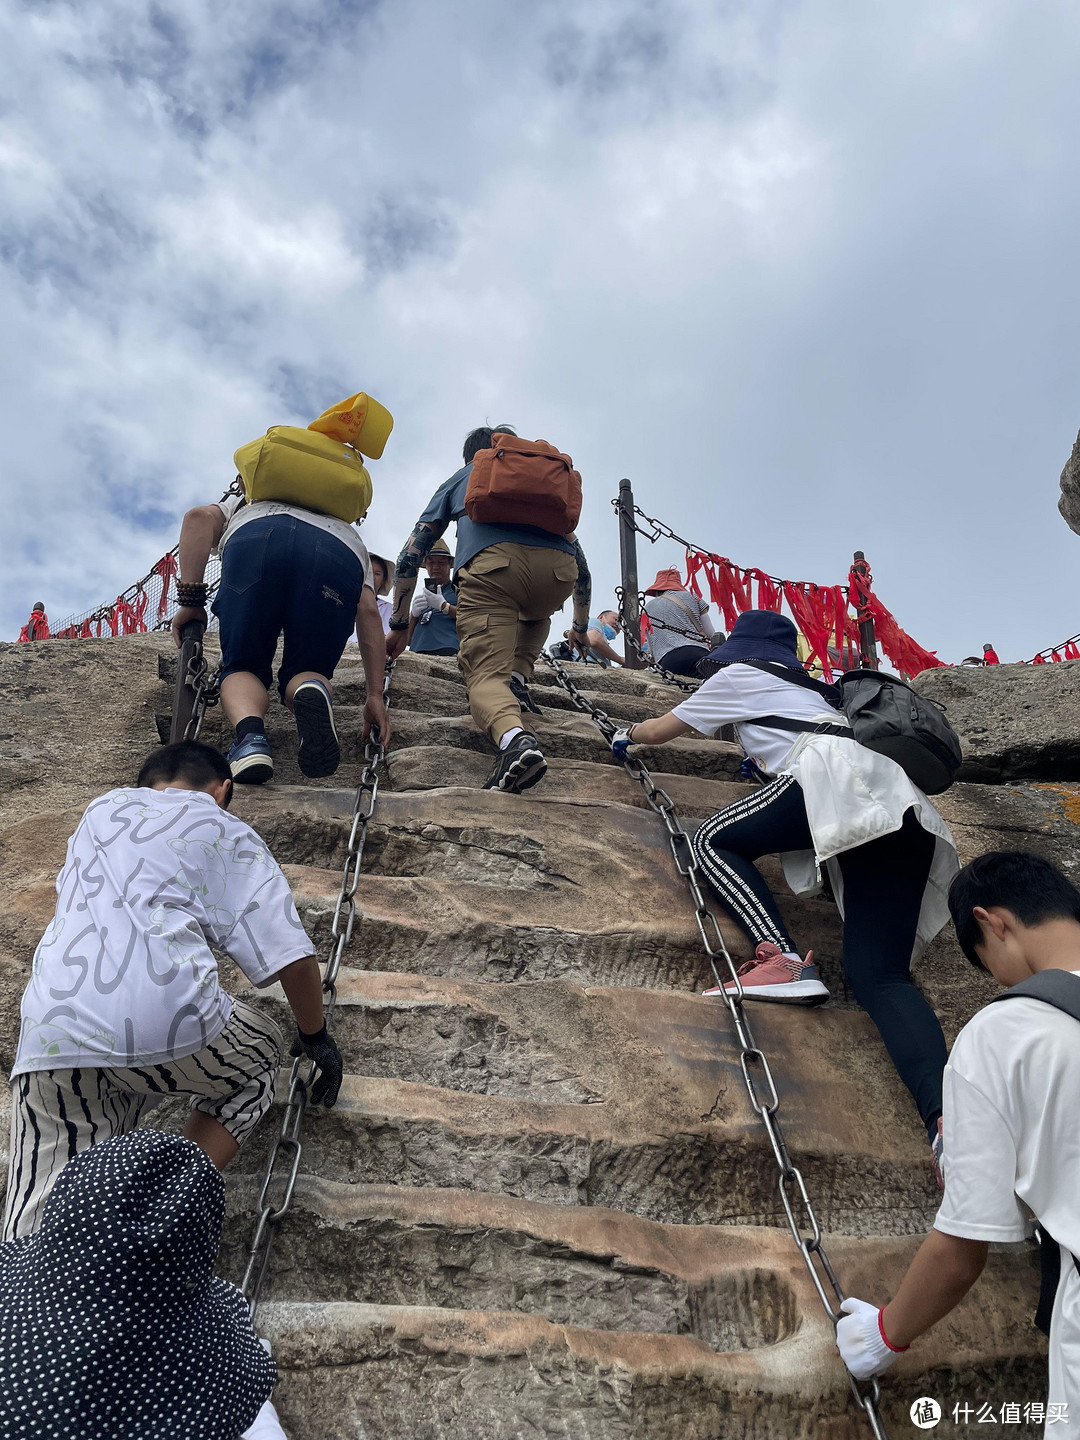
column 358, row 421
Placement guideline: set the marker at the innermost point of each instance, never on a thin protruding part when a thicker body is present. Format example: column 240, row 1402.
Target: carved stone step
column 435, row 695
column 666, row 1130
column 448, row 1035
column 350, row 1371
column 589, row 1267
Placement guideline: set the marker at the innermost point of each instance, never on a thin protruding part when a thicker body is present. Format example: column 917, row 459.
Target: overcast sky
column 808, row 273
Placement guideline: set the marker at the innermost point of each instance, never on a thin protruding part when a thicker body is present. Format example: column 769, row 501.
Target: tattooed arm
column 579, row 629
column 423, row 537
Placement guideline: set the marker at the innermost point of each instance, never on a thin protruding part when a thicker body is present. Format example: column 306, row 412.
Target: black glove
column 328, row 1065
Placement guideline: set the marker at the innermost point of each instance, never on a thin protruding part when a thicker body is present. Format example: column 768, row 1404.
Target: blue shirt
column 436, row 632
column 448, row 503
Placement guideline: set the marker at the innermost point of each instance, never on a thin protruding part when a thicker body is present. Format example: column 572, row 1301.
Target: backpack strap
column 694, row 619
column 799, row 727
column 1055, row 987
column 1062, row 990
column 830, row 693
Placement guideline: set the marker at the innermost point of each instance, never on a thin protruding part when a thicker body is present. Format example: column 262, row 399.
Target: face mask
column 610, row 632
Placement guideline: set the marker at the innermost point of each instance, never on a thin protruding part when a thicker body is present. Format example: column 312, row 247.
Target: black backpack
column 885, row 715
column 1062, row 990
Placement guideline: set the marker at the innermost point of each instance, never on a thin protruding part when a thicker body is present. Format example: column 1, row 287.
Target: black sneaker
column 519, row 766
column 520, row 692
column 320, row 752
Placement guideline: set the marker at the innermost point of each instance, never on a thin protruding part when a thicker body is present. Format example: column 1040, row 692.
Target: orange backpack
column 524, row 482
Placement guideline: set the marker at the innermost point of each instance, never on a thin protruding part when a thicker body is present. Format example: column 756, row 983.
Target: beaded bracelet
column 191, row 593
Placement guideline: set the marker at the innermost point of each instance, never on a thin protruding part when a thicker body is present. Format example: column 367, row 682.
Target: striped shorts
column 57, row 1113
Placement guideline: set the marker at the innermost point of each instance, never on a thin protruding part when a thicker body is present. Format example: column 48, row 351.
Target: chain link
column 654, row 530
column 644, row 656
column 794, row 1197
column 283, row 1165
column 207, row 688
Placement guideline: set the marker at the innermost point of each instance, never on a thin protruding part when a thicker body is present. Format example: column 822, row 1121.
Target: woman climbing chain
column 826, row 800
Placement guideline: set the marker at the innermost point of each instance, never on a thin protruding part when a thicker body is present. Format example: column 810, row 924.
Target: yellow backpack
column 315, row 468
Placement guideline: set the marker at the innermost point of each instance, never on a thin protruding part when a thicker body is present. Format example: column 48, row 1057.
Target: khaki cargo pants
column 506, row 597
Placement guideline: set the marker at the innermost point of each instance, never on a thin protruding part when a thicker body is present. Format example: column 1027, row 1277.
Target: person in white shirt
column 285, row 570
column 382, row 574
column 1011, row 1128
column 124, row 1005
column 826, row 801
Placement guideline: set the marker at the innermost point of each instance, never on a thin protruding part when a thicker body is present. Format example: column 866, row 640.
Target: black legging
column 884, row 882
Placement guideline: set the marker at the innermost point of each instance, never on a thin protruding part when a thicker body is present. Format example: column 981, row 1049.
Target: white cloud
column 804, row 272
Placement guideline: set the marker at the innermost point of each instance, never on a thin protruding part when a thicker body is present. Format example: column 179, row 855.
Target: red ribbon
column 168, row 569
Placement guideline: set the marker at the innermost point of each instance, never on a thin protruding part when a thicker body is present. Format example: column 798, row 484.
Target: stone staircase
column 543, row 1205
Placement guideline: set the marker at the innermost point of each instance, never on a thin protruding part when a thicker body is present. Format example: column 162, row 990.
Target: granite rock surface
column 544, row 1205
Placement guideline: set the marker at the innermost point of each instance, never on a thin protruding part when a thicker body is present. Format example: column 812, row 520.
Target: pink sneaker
column 772, row 975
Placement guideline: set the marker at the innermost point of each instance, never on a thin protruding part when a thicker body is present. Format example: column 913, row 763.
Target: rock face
column 543, row 1205
column 1015, row 722
column 1069, row 504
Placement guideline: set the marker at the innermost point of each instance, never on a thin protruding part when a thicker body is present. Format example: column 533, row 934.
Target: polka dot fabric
column 112, row 1324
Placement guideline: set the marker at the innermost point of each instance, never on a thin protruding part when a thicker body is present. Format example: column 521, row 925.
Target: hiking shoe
column 522, row 695
column 251, row 761
column 319, row 753
column 937, row 1163
column 773, row 975
column 519, row 766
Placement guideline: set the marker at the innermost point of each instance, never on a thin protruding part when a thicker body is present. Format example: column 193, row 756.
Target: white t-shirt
column 738, row 693
column 237, row 514
column 124, row 974
column 1012, row 1125
column 1012, row 1151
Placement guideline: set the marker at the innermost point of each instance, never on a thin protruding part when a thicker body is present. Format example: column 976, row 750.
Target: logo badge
column 925, row 1413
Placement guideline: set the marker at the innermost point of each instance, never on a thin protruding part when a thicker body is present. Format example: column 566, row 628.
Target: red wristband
column 896, row 1349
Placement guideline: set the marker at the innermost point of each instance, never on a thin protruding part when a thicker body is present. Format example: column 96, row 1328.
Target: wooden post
column 631, row 611
column 867, row 643
column 184, row 695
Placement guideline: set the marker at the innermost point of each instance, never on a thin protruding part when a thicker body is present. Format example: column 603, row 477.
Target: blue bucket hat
column 756, row 635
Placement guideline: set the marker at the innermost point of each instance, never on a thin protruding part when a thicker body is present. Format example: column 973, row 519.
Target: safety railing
column 838, row 621
column 756, row 1071
column 283, row 1165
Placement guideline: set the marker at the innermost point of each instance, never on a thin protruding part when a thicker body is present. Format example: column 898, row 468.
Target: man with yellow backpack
column 292, row 563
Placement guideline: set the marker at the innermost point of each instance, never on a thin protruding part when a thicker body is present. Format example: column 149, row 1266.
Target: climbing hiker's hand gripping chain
column 199, row 535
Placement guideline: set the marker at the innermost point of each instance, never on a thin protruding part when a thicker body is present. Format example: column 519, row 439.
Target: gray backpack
column 885, row 715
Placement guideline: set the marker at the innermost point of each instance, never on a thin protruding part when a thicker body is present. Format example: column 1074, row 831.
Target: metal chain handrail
column 657, row 530
column 643, row 655
column 206, row 684
column 288, row 1146
column 754, row 1062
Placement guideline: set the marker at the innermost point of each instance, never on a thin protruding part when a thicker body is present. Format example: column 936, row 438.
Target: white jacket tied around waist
column 853, row 796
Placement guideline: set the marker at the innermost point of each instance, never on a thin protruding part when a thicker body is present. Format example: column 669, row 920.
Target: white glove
column 620, row 743
column 860, row 1342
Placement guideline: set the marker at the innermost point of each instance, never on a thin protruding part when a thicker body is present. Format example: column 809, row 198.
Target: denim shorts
column 280, row 575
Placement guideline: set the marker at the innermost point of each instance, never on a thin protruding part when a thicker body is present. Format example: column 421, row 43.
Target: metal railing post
column 184, row 695
column 868, row 655
column 631, row 612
